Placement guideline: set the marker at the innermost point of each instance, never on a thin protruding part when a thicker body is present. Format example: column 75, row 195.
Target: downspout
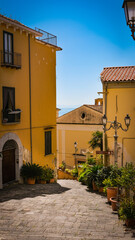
column 30, row 94
column 106, row 97
column 123, row 149
column 105, row 137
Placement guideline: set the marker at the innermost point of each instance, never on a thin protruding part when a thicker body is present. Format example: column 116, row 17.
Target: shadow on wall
column 21, row 191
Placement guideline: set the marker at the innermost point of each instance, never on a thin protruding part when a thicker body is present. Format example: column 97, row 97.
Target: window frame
column 13, row 89
column 7, row 52
column 48, row 145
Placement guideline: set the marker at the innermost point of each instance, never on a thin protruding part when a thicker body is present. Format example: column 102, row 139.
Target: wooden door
column 8, row 165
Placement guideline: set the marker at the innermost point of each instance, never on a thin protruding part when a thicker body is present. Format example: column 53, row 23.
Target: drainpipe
column 105, row 98
column 30, row 95
column 123, row 149
column 105, row 137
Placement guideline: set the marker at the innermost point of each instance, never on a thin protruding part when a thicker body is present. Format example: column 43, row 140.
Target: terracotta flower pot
column 111, row 192
column 95, row 188
column 31, row 180
column 130, row 222
column 113, row 203
column 52, row 180
column 101, row 189
column 42, row 181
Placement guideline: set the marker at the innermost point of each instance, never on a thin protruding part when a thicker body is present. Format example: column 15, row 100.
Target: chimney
column 99, row 101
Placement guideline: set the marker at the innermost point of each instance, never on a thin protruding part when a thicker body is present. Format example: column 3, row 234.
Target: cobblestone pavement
column 66, row 210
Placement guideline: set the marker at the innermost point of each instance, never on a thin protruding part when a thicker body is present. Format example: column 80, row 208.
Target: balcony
column 10, row 59
column 10, row 116
column 47, row 37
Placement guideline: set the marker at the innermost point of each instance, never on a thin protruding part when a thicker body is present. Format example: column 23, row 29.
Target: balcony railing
column 47, row 37
column 10, row 59
column 10, row 116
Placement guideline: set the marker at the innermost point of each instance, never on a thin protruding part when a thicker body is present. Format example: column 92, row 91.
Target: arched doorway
column 10, row 148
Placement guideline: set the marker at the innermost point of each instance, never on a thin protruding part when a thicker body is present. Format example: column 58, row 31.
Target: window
column 10, row 114
column 8, row 47
column 83, row 115
column 48, row 143
column 8, row 98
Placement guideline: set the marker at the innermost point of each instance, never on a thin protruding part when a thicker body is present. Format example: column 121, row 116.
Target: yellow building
column 27, row 99
column 119, row 100
column 77, row 126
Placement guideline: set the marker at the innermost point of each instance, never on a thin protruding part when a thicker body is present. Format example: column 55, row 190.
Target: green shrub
column 31, row 171
column 102, row 174
column 89, row 174
column 83, row 173
column 62, row 166
column 99, row 159
column 44, row 174
column 91, row 161
column 127, row 178
column 127, row 209
column 67, row 170
column 49, row 173
column 111, row 181
column 74, row 172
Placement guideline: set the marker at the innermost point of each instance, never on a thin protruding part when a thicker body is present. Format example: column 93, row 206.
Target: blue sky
column 93, row 35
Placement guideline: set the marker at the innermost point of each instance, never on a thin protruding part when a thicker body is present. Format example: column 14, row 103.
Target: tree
column 97, row 140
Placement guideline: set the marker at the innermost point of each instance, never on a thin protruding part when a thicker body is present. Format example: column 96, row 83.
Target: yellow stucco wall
column 120, row 102
column 67, row 134
column 43, row 94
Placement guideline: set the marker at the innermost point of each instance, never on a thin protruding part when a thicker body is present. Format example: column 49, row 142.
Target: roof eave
column 118, row 81
column 18, row 25
column 49, row 44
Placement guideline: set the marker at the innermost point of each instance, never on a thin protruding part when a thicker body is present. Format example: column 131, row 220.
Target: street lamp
column 129, row 8
column 75, row 145
column 116, row 125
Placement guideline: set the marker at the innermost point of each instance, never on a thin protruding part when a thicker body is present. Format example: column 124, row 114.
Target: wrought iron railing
column 10, row 116
column 47, row 37
column 10, row 59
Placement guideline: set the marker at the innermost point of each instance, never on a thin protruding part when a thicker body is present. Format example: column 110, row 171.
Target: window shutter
column 48, row 143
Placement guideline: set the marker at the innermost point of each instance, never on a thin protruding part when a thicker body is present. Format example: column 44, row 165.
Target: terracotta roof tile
column 118, row 74
column 98, row 108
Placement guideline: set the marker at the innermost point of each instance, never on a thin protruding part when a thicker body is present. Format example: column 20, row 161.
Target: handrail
column 10, row 59
column 11, row 116
column 47, row 37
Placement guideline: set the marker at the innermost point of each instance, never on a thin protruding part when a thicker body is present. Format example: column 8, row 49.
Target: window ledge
column 49, row 154
column 10, row 123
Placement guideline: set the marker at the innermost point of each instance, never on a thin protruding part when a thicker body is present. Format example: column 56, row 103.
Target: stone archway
column 18, row 154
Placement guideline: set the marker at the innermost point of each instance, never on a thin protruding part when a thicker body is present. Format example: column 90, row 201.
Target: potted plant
column 43, row 175
column 93, row 176
column 91, row 161
column 114, row 203
column 31, row 172
column 110, row 184
column 83, row 173
column 74, row 172
column 67, row 170
column 110, row 188
column 49, row 175
column 127, row 211
column 102, row 174
column 126, row 180
column 62, row 166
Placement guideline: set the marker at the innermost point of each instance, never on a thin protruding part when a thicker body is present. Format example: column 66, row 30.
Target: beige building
column 119, row 100
column 77, row 126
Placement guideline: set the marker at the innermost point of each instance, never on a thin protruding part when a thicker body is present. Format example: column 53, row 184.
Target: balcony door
column 8, row 47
